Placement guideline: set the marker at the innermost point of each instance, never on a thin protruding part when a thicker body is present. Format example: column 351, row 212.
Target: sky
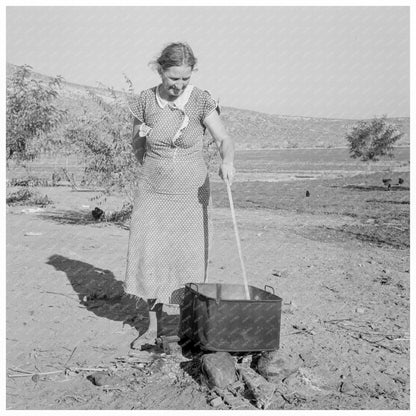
column 332, row 62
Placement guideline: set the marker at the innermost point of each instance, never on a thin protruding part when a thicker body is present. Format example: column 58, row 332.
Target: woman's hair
column 175, row 54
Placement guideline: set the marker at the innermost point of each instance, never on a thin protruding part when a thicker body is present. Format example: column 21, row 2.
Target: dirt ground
column 344, row 329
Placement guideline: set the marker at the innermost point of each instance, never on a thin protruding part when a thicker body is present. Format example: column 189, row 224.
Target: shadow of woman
column 101, row 293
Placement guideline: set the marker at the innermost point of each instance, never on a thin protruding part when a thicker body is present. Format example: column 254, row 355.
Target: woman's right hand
column 227, row 172
column 140, row 132
column 140, row 155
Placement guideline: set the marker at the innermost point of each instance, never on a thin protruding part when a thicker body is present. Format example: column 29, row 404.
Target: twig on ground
column 74, row 370
column 330, row 288
column 377, row 344
column 62, row 294
column 112, row 388
column 361, row 332
column 72, row 353
column 18, row 370
column 34, row 374
column 302, row 330
column 337, row 320
column 78, row 369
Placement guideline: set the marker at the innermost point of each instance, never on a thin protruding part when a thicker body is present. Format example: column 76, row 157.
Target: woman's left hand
column 227, row 172
column 225, row 145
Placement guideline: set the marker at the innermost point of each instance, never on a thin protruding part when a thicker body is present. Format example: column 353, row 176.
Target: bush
column 30, row 112
column 368, row 140
column 27, row 196
column 102, row 140
column 121, row 215
column 28, row 180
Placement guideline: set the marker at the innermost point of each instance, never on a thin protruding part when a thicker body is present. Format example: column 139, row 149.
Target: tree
column 369, row 140
column 30, row 112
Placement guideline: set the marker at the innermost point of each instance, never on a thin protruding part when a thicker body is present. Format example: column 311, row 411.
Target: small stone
column 309, row 359
column 261, row 389
column 345, row 386
column 360, row 310
column 274, row 368
column 218, row 369
column 103, row 379
column 280, row 273
column 216, row 402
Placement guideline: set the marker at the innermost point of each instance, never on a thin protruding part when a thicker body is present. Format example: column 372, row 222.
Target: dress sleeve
column 136, row 105
column 208, row 105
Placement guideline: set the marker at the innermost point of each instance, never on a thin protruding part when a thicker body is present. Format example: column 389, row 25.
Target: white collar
column 180, row 102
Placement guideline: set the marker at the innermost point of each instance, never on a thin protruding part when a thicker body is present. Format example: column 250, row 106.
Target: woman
column 169, row 231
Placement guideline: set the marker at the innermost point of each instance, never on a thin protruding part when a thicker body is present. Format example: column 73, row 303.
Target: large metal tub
column 218, row 317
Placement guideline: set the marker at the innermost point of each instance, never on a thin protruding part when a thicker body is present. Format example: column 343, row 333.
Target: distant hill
column 250, row 129
column 259, row 130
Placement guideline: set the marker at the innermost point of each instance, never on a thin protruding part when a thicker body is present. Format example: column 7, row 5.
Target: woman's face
column 174, row 80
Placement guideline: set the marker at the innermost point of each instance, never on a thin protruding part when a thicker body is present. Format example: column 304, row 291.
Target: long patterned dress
column 169, row 229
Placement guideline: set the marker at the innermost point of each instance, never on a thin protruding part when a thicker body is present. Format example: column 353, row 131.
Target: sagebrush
column 369, row 140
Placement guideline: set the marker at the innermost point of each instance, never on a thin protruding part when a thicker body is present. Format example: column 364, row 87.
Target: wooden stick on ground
column 75, row 370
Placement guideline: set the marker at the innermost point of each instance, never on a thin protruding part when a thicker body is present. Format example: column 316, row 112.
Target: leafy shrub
column 27, row 196
column 368, row 140
column 30, row 112
column 102, row 139
column 121, row 215
column 28, row 180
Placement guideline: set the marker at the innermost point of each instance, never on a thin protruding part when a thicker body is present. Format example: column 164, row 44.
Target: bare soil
column 344, row 329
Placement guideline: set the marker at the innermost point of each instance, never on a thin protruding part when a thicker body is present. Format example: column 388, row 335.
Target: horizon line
column 224, row 106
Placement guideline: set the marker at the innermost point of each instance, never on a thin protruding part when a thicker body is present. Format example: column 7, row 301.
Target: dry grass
column 382, row 216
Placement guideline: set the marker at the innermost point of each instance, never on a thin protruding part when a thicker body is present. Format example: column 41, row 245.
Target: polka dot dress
column 169, row 229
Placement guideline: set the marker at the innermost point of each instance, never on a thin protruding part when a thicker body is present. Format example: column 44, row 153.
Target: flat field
column 339, row 259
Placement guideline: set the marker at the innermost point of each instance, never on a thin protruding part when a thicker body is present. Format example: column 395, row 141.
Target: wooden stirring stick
column 237, row 237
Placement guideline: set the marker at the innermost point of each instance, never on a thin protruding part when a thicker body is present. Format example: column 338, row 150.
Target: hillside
column 251, row 129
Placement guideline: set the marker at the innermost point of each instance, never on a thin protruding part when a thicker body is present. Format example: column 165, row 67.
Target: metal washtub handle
column 194, row 284
column 269, row 287
column 237, row 237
